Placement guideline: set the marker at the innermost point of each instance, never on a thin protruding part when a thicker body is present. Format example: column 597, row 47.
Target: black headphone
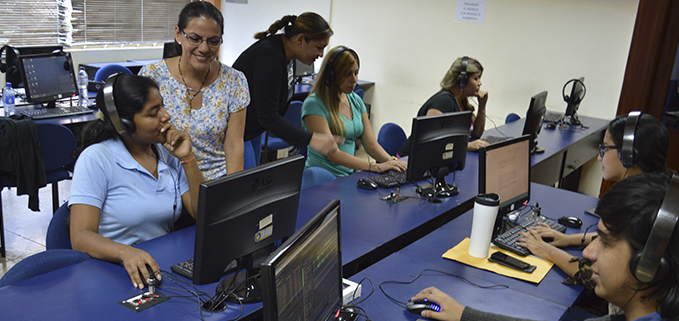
column 627, row 152
column 576, row 100
column 329, row 73
column 649, row 266
column 11, row 65
column 124, row 127
column 462, row 79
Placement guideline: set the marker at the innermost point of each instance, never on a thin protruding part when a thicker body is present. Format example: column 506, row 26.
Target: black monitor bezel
column 420, row 162
column 216, row 248
column 12, row 59
column 52, row 97
column 535, row 117
column 573, row 102
column 268, row 267
column 508, row 206
column 301, row 69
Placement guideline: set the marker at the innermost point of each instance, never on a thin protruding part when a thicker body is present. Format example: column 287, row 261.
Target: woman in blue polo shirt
column 132, row 178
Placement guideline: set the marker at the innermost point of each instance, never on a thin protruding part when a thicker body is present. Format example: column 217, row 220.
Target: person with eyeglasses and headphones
column 133, row 177
column 634, row 261
column 334, row 108
column 461, row 83
column 206, row 98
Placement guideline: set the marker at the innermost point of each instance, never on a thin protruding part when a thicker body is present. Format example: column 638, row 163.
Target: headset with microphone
column 627, row 152
column 124, row 127
column 649, row 266
column 462, row 79
column 328, row 73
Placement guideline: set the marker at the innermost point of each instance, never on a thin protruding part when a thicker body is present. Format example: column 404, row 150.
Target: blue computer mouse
column 416, row 307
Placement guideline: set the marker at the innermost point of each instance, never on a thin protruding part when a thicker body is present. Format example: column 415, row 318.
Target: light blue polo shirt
column 135, row 206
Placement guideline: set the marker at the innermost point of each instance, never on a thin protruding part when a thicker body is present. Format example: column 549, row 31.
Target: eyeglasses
column 197, row 40
column 603, row 148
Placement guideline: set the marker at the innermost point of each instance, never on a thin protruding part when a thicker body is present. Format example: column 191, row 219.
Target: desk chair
column 103, row 72
column 248, row 155
column 391, row 137
column 512, row 117
column 313, row 176
column 359, row 91
column 57, row 143
column 294, row 116
column 41, row 263
column 58, row 232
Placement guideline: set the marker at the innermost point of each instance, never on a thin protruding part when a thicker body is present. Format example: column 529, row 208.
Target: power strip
column 350, row 288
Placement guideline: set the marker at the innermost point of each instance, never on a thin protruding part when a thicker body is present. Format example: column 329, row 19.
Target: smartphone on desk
column 511, row 262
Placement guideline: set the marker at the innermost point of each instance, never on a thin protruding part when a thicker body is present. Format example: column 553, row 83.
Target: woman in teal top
column 333, row 108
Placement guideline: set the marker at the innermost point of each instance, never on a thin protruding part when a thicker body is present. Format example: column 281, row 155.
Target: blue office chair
column 248, row 155
column 57, row 143
column 41, row 263
column 103, row 72
column 294, row 116
column 313, row 176
column 512, row 117
column 391, row 137
column 58, row 232
column 359, row 91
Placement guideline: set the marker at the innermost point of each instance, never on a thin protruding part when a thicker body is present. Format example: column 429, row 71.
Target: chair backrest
column 359, row 91
column 57, row 143
column 512, row 117
column 313, row 176
column 41, row 263
column 103, row 72
column 391, row 137
column 248, row 155
column 58, row 232
column 293, row 116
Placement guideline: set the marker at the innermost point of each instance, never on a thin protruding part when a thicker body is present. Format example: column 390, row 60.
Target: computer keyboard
column 42, row 113
column 494, row 139
column 390, row 179
column 184, row 269
column 552, row 117
column 507, row 240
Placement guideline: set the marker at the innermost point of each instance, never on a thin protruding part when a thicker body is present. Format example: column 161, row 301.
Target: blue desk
column 547, row 300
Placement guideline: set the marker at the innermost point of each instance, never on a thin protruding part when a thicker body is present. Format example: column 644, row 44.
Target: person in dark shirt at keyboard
column 334, row 109
column 628, row 211
column 461, row 83
column 130, row 186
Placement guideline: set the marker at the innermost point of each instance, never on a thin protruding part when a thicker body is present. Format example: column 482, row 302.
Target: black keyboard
column 184, row 269
column 494, row 139
column 552, row 117
column 42, row 113
column 390, row 179
column 507, row 240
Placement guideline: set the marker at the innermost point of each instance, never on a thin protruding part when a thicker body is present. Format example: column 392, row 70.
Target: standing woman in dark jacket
column 267, row 65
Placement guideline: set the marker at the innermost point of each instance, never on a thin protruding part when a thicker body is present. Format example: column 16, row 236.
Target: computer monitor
column 534, row 116
column 301, row 70
column 170, row 50
column 12, row 59
column 438, row 147
column 302, row 280
column 573, row 101
column 48, row 77
column 242, row 214
column 504, row 169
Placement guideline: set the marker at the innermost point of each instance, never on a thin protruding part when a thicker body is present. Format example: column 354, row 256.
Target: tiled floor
column 24, row 229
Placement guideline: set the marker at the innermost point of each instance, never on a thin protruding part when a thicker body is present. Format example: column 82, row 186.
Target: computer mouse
column 346, row 314
column 570, row 221
column 152, row 275
column 416, row 307
column 550, row 126
column 366, row 183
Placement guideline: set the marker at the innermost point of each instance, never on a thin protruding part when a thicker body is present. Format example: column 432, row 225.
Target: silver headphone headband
column 111, row 109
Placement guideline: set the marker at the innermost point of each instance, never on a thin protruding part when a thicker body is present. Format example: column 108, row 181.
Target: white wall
column 526, row 46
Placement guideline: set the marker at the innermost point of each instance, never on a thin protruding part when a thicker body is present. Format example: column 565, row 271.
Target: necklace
column 190, row 96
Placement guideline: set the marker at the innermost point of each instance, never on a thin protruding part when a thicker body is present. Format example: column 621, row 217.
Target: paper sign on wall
column 471, row 10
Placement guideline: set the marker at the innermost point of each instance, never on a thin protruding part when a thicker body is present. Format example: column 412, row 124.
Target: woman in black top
column 454, row 96
column 268, row 69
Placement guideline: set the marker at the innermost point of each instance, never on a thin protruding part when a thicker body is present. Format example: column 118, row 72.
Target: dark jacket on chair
column 21, row 157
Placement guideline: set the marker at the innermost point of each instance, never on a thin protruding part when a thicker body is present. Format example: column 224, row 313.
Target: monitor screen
column 302, row 69
column 302, row 280
column 504, row 169
column 48, row 77
column 12, row 58
column 577, row 94
column 534, row 116
column 438, row 147
column 242, row 214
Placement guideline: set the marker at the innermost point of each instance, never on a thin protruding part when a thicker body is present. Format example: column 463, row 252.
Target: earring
column 179, row 42
column 299, row 46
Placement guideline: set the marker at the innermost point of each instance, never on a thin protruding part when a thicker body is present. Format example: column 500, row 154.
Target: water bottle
column 8, row 99
column 83, row 100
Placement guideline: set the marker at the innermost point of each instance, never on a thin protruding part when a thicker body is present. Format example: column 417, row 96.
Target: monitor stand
column 248, row 288
column 440, row 188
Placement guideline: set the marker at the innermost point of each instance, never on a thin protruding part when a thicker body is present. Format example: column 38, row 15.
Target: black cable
column 494, row 125
column 499, row 286
column 372, row 289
